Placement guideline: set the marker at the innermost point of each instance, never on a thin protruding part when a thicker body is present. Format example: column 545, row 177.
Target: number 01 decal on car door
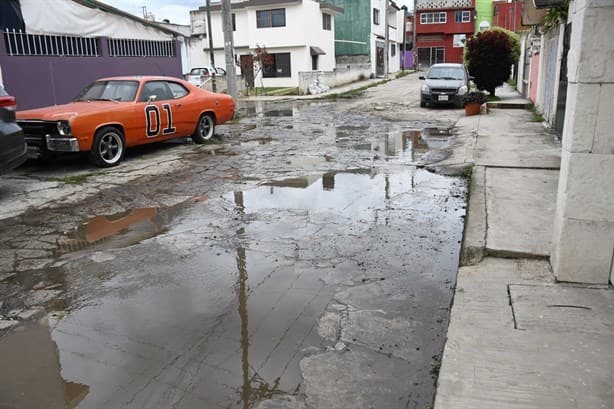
column 152, row 116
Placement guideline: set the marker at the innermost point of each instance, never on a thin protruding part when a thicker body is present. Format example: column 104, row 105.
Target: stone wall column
column 583, row 244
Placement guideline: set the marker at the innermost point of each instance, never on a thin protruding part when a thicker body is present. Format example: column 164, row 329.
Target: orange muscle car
column 112, row 114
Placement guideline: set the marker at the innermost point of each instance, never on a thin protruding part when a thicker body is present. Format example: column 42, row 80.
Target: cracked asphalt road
column 304, row 260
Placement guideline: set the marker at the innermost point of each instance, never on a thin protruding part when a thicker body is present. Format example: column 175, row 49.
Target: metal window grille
column 21, row 43
column 122, row 47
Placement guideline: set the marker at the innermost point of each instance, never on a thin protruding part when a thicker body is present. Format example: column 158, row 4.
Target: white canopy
column 67, row 17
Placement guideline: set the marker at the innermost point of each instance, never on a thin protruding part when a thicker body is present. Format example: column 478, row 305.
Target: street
column 305, row 259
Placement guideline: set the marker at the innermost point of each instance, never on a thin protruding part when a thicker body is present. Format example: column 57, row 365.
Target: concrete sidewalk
column 518, row 339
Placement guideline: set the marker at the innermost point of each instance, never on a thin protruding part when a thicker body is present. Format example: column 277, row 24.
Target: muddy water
column 295, row 288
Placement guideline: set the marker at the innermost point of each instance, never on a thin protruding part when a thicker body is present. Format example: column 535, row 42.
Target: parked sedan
column 198, row 75
column 445, row 84
column 113, row 114
column 12, row 144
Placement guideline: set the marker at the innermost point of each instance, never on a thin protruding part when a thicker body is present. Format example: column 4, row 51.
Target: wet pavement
column 306, row 260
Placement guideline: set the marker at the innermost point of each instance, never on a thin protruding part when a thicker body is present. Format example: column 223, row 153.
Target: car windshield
column 446, row 73
column 115, row 90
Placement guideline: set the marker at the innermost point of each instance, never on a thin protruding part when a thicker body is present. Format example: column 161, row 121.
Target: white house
column 298, row 34
column 394, row 19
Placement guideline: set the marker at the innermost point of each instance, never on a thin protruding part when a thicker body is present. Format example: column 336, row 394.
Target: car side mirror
column 421, row 77
column 151, row 98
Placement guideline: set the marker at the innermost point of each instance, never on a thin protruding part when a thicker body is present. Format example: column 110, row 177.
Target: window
column 462, row 16
column 234, row 22
column 433, row 18
column 393, row 50
column 326, row 21
column 376, row 17
column 158, row 88
column 279, row 66
column 271, row 18
column 177, row 90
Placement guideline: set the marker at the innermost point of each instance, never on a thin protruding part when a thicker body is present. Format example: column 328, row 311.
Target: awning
column 316, row 51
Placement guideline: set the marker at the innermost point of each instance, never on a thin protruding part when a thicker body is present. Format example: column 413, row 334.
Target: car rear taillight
column 8, row 103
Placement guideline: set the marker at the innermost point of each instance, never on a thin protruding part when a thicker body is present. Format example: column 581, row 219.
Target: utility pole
column 210, row 35
column 231, row 71
column 386, row 39
column 403, row 59
column 414, row 48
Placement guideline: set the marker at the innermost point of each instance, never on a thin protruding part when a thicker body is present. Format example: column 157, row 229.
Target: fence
column 20, row 43
column 119, row 47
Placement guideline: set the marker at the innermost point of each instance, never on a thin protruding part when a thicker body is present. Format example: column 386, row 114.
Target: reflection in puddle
column 31, row 375
column 414, row 144
column 119, row 230
column 352, row 195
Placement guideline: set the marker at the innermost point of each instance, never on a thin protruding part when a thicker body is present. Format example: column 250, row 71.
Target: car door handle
column 179, row 105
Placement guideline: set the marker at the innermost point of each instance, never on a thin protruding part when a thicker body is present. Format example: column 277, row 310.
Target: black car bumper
column 442, row 98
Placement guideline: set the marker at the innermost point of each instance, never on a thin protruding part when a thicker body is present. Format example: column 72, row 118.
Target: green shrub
column 490, row 59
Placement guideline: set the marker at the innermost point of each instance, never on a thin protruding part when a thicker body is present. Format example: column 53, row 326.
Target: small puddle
column 120, row 230
column 414, row 144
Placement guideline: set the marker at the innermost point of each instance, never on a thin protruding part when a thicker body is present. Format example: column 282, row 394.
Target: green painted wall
column 484, row 10
column 353, row 25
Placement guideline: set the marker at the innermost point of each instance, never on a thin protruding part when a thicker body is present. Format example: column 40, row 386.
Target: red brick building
column 508, row 15
column 441, row 29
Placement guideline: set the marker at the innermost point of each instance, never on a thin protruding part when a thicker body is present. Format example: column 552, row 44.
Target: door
column 379, row 59
column 162, row 117
column 247, row 70
column 428, row 56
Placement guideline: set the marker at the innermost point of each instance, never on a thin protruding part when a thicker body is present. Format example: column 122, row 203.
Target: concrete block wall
column 583, row 245
column 340, row 76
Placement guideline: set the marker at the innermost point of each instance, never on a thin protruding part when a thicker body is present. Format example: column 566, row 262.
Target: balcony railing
column 442, row 4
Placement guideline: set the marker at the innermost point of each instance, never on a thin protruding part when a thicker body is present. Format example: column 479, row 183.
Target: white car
column 199, row 75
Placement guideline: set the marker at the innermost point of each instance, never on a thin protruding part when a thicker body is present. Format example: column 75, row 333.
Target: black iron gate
column 559, row 118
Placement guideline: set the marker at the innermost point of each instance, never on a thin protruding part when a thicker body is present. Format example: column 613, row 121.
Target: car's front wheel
column 108, row 148
column 205, row 129
column 422, row 103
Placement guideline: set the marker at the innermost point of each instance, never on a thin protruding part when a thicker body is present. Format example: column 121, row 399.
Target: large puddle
column 210, row 312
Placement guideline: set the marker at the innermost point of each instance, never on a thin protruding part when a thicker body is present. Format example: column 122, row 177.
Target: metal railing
column 442, row 4
column 21, row 43
column 120, row 47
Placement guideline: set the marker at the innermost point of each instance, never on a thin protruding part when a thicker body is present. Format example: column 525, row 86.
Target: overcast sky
column 177, row 11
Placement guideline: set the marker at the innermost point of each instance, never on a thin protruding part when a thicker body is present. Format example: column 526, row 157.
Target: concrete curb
column 509, row 105
column 474, row 236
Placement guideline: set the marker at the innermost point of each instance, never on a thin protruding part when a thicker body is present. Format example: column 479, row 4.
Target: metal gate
column 559, row 119
column 428, row 56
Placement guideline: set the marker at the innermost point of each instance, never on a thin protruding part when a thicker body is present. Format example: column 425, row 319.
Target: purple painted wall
column 37, row 81
column 409, row 59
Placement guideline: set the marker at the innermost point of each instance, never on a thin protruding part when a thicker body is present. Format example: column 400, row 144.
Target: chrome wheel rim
column 206, row 127
column 111, row 147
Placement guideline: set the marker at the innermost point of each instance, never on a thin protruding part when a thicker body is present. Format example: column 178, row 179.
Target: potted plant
column 473, row 101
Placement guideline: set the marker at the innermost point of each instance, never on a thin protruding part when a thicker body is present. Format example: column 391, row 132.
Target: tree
column 260, row 59
column 490, row 56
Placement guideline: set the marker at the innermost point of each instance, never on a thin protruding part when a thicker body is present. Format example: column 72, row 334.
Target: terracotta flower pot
column 472, row 109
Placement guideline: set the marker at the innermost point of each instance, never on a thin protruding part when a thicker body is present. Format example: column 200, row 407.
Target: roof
column 95, row 4
column 251, row 3
column 330, row 8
